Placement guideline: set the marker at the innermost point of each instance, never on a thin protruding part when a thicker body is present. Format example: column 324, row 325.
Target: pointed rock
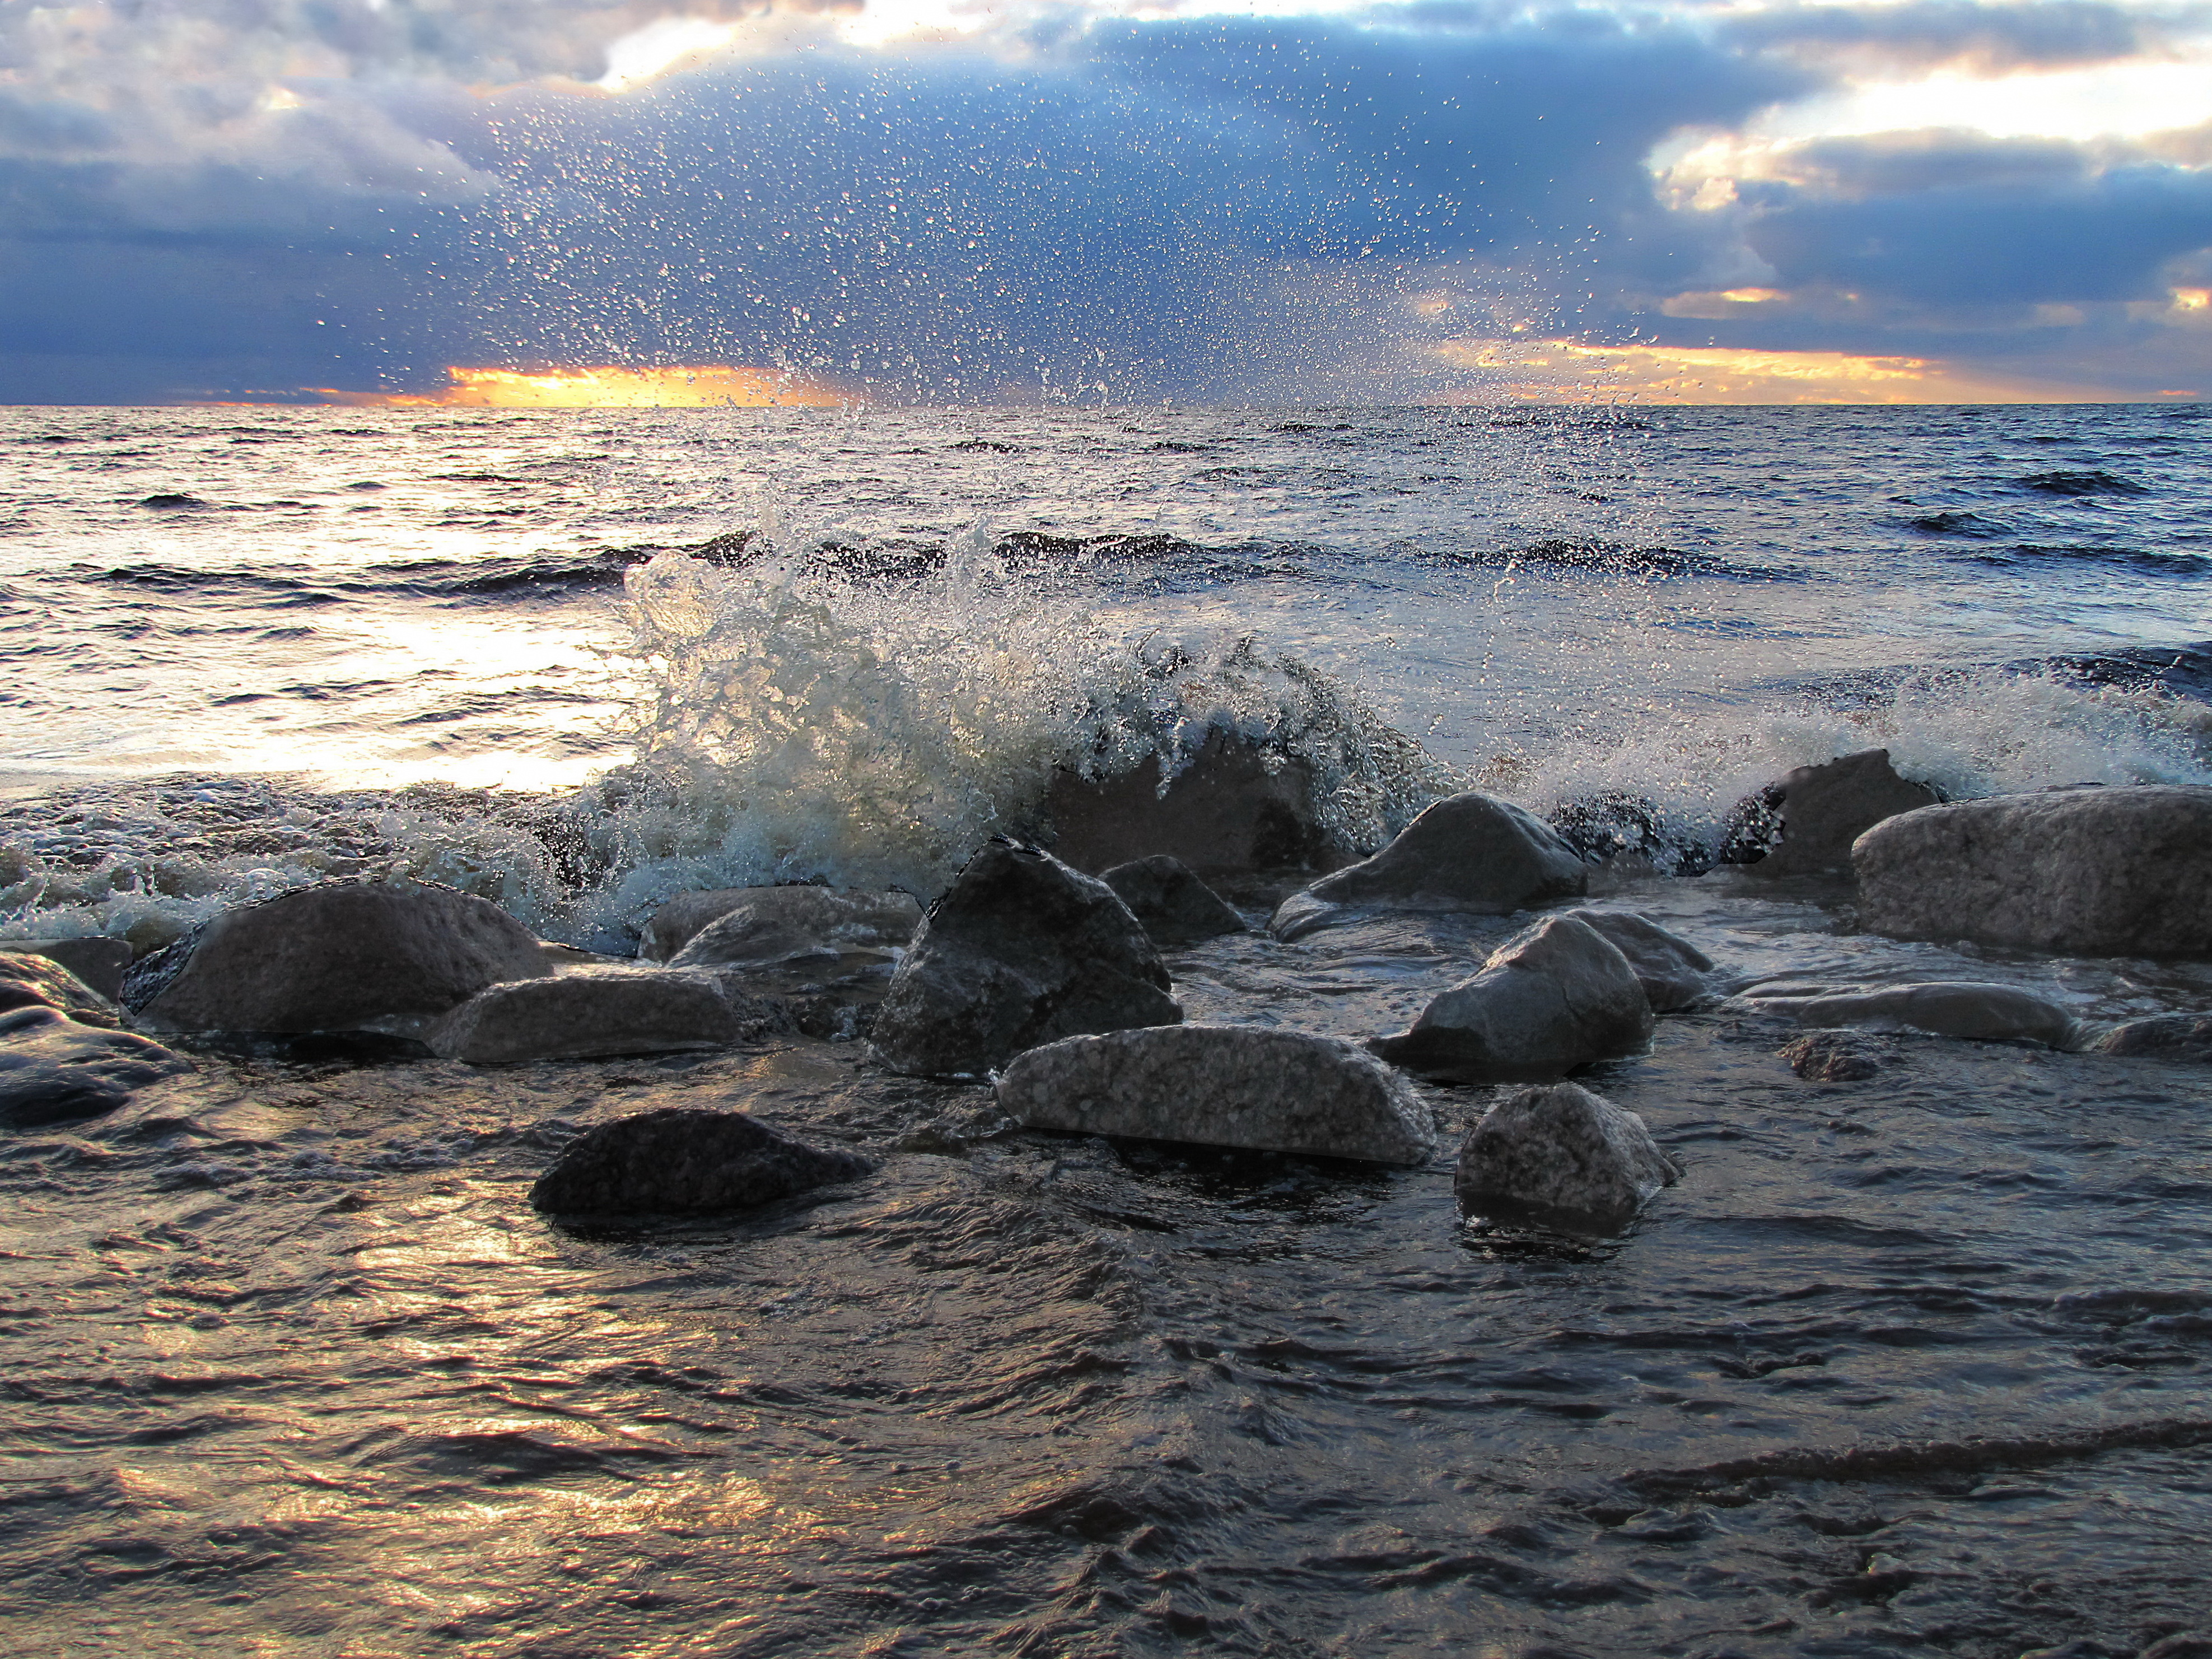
column 1174, row 905
column 1562, row 1157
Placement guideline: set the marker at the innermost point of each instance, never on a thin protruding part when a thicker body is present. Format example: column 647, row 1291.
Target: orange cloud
column 603, row 387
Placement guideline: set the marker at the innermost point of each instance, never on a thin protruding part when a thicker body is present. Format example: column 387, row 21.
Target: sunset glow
column 688, row 386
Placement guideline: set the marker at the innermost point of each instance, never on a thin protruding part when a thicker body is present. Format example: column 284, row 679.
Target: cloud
column 1919, row 36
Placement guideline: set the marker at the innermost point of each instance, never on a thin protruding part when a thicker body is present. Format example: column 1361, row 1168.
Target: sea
column 1922, row 1363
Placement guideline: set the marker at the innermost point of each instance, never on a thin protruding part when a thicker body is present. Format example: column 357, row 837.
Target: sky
column 540, row 201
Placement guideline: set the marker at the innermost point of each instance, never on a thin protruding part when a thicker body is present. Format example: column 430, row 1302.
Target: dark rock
column 329, row 957
column 1224, row 814
column 1832, row 1057
column 1954, row 1008
column 1558, row 996
column 1615, row 824
column 1671, row 970
column 598, row 1012
column 37, row 981
column 1563, row 1157
column 1021, row 950
column 680, row 1162
column 1468, row 852
column 2183, row 1645
column 735, row 926
column 2121, row 870
column 1174, row 905
column 2161, row 1036
column 1825, row 808
column 98, row 961
column 53, row 1070
column 1224, row 1086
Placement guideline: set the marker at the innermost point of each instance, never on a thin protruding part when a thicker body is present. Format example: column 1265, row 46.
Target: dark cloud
column 1960, row 34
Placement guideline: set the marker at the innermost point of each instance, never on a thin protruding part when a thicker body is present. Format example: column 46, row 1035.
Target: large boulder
column 681, row 1163
column 1673, row 972
column 99, row 962
column 1466, row 852
column 1224, row 1086
column 2160, row 1036
column 1558, row 996
column 53, row 1070
column 1175, row 906
column 1954, row 1008
column 331, row 957
column 1563, row 1157
column 1825, row 808
column 749, row 927
column 36, row 981
column 1234, row 809
column 2119, row 871
column 1021, row 950
column 600, row 1012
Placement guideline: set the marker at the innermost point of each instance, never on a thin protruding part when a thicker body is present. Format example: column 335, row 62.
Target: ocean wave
column 2093, row 481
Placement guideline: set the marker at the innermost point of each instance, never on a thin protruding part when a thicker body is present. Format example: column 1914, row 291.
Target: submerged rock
column 1224, row 1086
column 1954, row 1008
column 1832, row 1057
column 35, row 982
column 1563, row 1157
column 329, row 957
column 600, row 1012
column 2161, row 1036
column 99, row 962
column 746, row 926
column 1174, row 905
column 1468, row 852
column 1671, row 970
column 1021, row 950
column 683, row 1163
column 1825, row 808
column 2117, row 870
column 1558, row 996
column 1226, row 813
column 53, row 1070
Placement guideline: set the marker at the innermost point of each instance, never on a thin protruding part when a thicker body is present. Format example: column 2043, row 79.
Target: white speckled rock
column 1954, row 1008
column 596, row 1012
column 1224, row 1086
column 1562, row 1156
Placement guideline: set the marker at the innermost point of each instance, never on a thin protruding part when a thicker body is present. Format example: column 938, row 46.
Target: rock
column 1953, row 1008
column 1224, row 1086
column 2119, row 871
column 1564, row 1156
column 99, row 962
column 680, row 1162
column 1224, row 814
column 1469, row 852
column 37, row 981
column 597, row 1012
column 53, row 1070
column 1021, row 950
column 1671, row 970
column 754, row 926
column 2182, row 1645
column 1826, row 808
column 329, row 957
column 1174, row 905
column 1556, row 997
column 1832, row 1057
column 2161, row 1036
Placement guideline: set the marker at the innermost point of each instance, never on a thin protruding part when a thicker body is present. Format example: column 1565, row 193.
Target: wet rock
column 1832, row 1057
column 600, row 1012
column 35, row 982
column 684, row 1163
column 98, row 961
column 1558, row 996
column 1224, row 1086
column 1825, row 808
column 1174, row 905
column 2161, row 1036
column 2121, row 870
column 331, row 958
column 1672, row 971
column 52, row 1070
column 1021, row 950
column 744, row 927
column 1563, row 1157
column 2183, row 1645
column 1468, row 852
column 1226, row 813
column 1954, row 1008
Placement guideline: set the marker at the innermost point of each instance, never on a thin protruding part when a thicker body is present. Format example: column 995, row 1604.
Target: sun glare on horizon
column 605, row 386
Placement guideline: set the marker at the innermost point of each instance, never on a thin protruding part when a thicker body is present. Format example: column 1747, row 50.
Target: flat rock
column 2119, row 871
column 1020, row 951
column 331, row 958
column 1564, row 1156
column 1469, row 853
column 53, row 1070
column 1175, row 906
column 748, row 927
column 1224, row 1086
column 600, row 1012
column 684, row 1163
column 1827, row 807
column 1842, row 1056
column 99, row 962
column 37, row 981
column 2161, row 1036
column 1673, row 972
column 1549, row 999
column 1954, row 1008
